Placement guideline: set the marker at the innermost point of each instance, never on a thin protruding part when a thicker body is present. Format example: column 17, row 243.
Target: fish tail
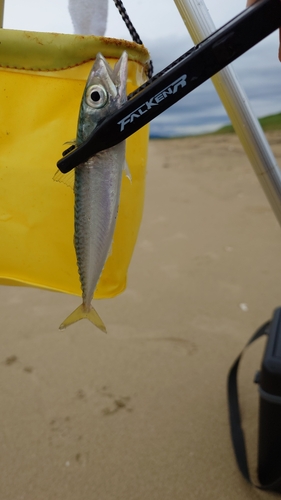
column 84, row 313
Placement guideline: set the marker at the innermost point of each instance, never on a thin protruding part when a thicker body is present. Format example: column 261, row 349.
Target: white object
column 89, row 17
column 200, row 25
column 244, row 307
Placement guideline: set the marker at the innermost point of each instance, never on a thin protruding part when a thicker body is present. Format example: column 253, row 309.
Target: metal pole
column 1, row 13
column 200, row 25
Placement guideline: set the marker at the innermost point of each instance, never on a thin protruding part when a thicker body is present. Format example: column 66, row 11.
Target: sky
column 163, row 32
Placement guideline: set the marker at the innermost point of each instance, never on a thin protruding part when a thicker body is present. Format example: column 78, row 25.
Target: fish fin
column 82, row 313
column 110, row 250
column 127, row 171
column 67, row 179
column 72, row 142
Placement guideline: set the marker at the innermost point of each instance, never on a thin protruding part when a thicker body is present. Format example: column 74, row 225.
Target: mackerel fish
column 97, row 183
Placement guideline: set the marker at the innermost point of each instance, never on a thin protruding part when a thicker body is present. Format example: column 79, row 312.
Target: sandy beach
column 141, row 413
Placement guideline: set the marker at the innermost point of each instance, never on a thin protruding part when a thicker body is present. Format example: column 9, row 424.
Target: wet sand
column 141, row 413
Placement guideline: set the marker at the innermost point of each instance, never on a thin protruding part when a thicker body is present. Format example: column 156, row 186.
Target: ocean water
column 258, row 72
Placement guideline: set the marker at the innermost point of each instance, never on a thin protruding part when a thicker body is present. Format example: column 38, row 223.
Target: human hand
column 250, row 2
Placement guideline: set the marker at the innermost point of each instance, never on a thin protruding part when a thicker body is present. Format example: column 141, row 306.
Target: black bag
column 269, row 434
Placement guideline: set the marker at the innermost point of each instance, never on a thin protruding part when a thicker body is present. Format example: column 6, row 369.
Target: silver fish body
column 97, row 184
column 97, row 192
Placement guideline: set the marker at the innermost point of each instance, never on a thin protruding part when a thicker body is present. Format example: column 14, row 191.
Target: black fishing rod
column 177, row 80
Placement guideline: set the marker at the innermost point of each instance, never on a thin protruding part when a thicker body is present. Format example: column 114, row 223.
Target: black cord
column 134, row 34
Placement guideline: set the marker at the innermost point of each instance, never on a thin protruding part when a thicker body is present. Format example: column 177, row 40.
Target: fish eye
column 96, row 96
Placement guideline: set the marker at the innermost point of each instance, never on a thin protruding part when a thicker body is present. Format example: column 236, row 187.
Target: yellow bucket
column 42, row 79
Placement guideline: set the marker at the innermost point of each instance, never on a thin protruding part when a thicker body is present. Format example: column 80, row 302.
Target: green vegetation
column 272, row 122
